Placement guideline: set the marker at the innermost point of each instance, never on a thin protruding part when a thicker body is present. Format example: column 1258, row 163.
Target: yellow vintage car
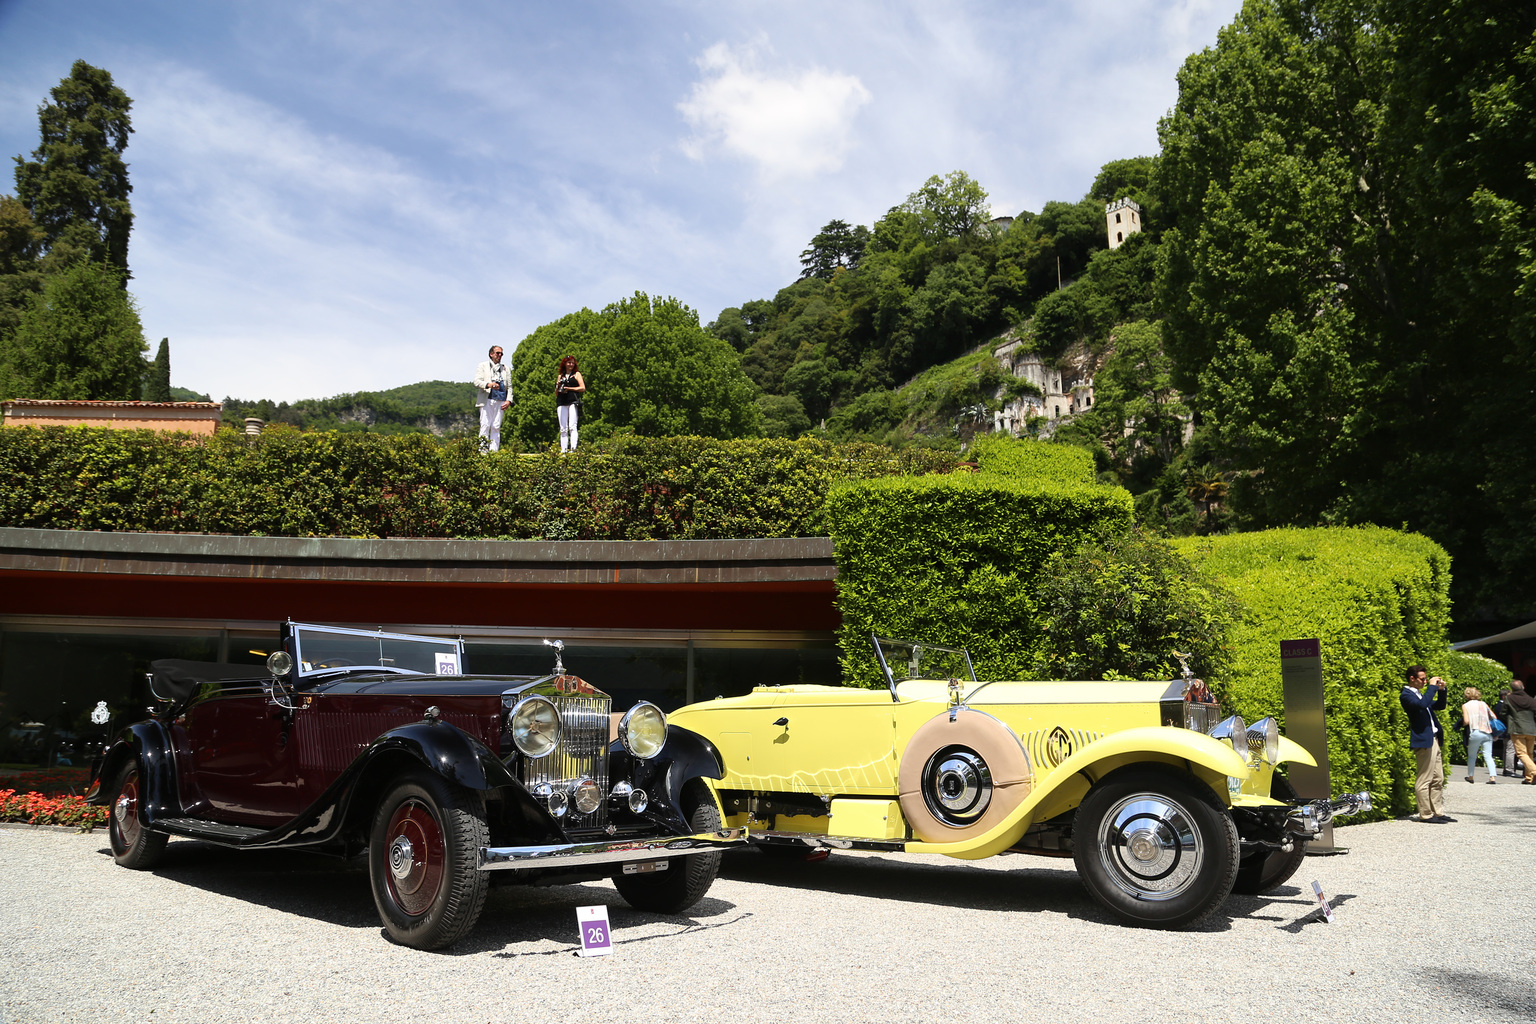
column 1166, row 806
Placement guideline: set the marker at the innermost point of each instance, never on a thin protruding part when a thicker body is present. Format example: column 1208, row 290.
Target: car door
column 238, row 766
column 829, row 743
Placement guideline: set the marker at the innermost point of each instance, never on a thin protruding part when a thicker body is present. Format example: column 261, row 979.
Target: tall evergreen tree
column 76, row 185
column 80, row 338
column 157, row 383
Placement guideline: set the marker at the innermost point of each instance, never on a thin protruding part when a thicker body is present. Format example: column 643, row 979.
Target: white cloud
column 790, row 124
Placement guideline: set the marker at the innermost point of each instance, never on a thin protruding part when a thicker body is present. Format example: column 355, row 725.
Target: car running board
column 210, row 831
column 811, row 841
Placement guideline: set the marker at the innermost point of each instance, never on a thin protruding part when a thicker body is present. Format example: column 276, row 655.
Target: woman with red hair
column 569, row 387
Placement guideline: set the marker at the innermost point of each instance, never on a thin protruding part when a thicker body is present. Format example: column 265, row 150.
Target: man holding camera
column 1421, row 698
column 494, row 379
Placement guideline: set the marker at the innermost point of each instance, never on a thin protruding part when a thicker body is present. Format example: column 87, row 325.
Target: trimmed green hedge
column 1377, row 600
column 956, row 559
column 1063, row 463
column 287, row 483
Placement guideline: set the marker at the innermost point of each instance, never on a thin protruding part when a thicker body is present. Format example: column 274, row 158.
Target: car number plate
column 644, row 867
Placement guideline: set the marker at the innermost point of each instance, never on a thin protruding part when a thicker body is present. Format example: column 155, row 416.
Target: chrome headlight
column 535, row 726
column 643, row 730
column 555, row 800
column 1233, row 730
column 1264, row 741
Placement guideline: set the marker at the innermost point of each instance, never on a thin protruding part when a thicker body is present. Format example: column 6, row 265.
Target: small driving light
column 279, row 663
column 535, row 726
column 586, row 795
column 625, row 795
column 1264, row 741
column 554, row 799
column 643, row 730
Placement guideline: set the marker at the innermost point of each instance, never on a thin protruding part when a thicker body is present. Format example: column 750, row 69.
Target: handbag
column 1500, row 730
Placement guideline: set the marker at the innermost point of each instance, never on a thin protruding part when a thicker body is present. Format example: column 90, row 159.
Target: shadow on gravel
column 1021, row 890
column 1512, row 994
column 338, row 892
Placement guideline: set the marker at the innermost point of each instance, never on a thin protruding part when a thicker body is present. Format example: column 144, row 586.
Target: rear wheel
column 1154, row 849
column 134, row 845
column 422, row 861
column 685, row 879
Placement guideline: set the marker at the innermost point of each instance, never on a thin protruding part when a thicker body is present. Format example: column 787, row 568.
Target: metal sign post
column 1301, row 673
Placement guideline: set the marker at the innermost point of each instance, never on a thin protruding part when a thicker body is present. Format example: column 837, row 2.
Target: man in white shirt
column 494, row 379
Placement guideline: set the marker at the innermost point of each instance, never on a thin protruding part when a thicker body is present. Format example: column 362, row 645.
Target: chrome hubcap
column 400, row 857
column 957, row 785
column 1150, row 847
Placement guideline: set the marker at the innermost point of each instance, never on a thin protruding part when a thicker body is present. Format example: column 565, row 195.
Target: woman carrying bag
column 1478, row 718
column 569, row 387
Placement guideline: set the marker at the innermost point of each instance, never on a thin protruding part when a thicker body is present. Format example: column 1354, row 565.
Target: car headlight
column 1233, row 730
column 1264, row 741
column 643, row 730
column 586, row 795
column 535, row 726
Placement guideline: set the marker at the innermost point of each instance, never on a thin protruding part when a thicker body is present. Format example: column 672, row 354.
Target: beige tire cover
column 1009, row 765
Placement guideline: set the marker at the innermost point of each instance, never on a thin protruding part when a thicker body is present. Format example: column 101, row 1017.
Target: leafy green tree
column 836, row 245
column 76, row 184
column 782, row 416
column 80, row 338
column 21, row 243
column 949, row 206
column 650, row 370
column 157, row 383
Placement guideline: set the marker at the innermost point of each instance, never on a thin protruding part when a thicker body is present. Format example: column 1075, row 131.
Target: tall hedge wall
column 1462, row 669
column 956, row 559
column 1376, row 599
column 287, row 483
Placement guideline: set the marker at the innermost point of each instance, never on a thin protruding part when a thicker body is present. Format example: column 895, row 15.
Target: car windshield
column 905, row 659
column 320, row 650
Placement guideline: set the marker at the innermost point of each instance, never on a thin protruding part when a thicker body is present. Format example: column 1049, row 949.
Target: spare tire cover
column 981, row 735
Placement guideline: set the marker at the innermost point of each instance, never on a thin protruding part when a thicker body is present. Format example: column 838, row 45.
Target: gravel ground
column 219, row 935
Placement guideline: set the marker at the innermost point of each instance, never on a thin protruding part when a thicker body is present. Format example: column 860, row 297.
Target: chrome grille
column 582, row 753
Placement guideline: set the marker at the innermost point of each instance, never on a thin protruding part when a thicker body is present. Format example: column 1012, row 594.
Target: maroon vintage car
column 358, row 740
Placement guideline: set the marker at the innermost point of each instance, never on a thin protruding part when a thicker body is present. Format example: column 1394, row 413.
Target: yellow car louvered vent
column 1049, row 747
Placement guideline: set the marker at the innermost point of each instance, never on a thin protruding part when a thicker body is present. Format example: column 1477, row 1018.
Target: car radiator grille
column 582, row 753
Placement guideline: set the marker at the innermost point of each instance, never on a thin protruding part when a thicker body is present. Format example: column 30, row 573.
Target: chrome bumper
column 564, row 855
column 1309, row 818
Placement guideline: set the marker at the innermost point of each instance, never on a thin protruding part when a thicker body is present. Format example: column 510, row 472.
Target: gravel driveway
column 218, row 935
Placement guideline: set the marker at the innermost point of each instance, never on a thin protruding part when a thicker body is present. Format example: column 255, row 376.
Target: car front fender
column 1290, row 750
column 1066, row 785
column 149, row 743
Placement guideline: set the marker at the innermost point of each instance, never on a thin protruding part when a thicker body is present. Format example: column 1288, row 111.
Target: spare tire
column 959, row 778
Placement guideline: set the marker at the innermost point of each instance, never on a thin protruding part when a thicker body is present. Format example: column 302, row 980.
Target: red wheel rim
column 125, row 811
column 414, row 856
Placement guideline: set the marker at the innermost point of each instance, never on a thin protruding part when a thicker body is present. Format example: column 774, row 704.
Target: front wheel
column 685, row 879
column 1155, row 849
column 422, row 861
column 134, row 844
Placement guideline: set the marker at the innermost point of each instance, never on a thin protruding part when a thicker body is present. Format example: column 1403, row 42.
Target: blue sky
column 334, row 196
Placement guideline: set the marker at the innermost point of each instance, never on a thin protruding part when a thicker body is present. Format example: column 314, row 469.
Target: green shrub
column 1064, row 463
column 1377, row 601
column 287, row 483
column 957, row 559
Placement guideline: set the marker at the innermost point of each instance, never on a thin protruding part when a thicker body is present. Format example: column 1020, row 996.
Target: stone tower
column 1123, row 219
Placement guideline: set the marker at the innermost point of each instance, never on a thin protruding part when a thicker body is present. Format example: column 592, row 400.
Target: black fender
column 150, row 744
column 687, row 756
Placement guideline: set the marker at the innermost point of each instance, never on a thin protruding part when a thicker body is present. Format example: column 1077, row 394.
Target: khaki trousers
column 1523, row 752
column 1429, row 787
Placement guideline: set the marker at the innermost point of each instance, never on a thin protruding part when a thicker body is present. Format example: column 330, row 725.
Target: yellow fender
column 1067, row 780
column 1290, row 750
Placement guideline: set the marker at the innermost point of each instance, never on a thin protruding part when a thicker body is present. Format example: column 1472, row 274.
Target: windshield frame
column 426, row 648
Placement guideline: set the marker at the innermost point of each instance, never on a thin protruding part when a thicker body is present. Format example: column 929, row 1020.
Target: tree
column 836, row 245
column 21, row 242
column 650, row 370
column 76, row 184
column 80, row 338
column 949, row 207
column 157, row 383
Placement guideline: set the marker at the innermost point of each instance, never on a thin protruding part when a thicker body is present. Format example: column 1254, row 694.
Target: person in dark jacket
column 1421, row 698
column 1522, row 727
column 1504, row 747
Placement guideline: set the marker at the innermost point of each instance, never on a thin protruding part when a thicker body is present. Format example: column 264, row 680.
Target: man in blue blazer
column 1421, row 699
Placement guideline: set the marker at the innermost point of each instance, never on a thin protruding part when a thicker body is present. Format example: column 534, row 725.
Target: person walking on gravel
column 1522, row 727
column 1421, row 698
column 1475, row 716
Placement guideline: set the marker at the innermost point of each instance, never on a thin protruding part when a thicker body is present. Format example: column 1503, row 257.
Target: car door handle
column 783, row 722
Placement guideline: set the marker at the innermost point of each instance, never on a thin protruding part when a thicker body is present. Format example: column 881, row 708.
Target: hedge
column 956, row 559
column 1063, row 463
column 1377, row 600
column 1461, row 670
column 293, row 484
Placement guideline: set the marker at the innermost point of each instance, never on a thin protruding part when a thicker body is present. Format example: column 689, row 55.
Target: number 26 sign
column 596, row 938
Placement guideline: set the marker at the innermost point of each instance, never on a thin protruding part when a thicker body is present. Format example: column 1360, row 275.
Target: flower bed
column 53, row 797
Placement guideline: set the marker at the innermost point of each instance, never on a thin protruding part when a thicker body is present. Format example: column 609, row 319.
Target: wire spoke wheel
column 126, row 826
